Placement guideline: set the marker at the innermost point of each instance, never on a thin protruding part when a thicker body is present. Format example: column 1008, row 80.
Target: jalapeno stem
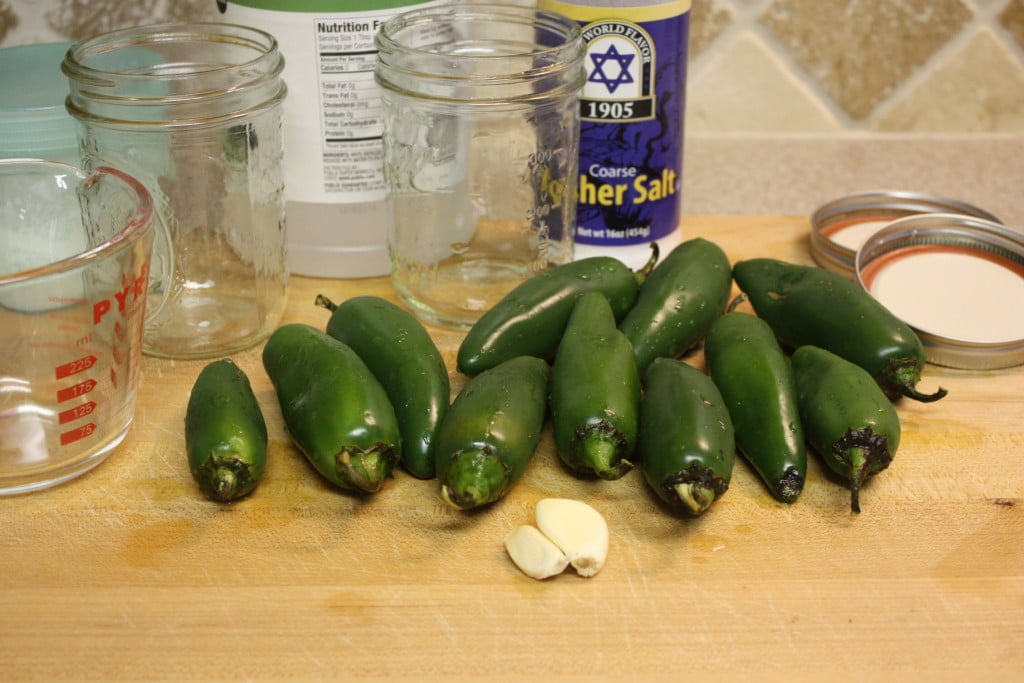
column 224, row 479
column 735, row 303
column 476, row 477
column 857, row 460
column 694, row 488
column 601, row 452
column 366, row 471
column 323, row 302
column 900, row 378
column 695, row 497
column 464, row 500
column 641, row 275
column 863, row 453
column 224, row 483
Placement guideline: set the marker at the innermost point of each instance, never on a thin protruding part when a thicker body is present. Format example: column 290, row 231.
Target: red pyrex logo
column 130, row 293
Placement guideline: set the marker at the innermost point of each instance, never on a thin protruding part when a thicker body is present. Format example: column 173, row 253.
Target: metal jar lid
column 838, row 227
column 957, row 280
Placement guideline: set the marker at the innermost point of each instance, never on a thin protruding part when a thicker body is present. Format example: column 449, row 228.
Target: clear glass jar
column 194, row 112
column 481, row 133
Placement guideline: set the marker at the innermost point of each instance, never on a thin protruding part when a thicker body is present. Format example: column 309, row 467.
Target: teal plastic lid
column 32, row 93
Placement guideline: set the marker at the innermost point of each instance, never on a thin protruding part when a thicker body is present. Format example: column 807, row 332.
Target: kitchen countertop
column 127, row 573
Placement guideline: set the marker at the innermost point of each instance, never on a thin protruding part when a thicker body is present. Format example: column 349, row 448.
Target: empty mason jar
column 481, row 132
column 194, row 112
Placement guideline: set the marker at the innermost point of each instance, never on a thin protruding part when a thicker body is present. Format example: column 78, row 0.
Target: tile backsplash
column 865, row 65
column 756, row 66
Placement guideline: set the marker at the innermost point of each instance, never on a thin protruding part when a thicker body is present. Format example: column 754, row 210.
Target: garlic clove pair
column 567, row 532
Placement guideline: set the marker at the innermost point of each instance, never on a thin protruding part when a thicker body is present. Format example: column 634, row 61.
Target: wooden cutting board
column 127, row 573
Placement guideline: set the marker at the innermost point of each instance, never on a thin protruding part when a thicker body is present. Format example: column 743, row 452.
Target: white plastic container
column 334, row 185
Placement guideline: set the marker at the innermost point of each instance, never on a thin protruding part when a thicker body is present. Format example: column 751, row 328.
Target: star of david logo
column 612, row 82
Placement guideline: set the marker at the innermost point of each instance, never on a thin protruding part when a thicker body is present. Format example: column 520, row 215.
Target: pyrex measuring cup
column 74, row 271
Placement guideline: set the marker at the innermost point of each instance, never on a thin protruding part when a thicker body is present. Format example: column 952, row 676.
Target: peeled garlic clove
column 578, row 529
column 534, row 554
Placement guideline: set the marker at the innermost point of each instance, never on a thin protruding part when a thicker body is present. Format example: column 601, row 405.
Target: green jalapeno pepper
column 686, row 442
column 404, row 359
column 848, row 420
column 684, row 294
column 530, row 320
column 595, row 392
column 811, row 305
column 336, row 411
column 491, row 432
column 748, row 366
column 225, row 433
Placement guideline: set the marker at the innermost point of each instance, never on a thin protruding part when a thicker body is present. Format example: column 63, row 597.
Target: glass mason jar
column 481, row 133
column 194, row 112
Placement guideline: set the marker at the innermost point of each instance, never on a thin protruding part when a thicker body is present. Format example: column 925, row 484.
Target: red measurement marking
column 78, row 433
column 75, row 366
column 79, row 389
column 72, row 414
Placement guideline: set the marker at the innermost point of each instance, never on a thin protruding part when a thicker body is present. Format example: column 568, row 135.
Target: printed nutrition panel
column 350, row 102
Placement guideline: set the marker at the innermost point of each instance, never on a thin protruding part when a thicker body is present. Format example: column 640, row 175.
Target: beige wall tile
column 78, row 20
column 1012, row 19
column 860, row 51
column 755, row 65
column 708, row 18
column 745, row 87
column 980, row 87
column 8, row 19
column 75, row 19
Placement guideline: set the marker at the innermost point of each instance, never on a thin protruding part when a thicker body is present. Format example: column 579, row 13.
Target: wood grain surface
column 128, row 573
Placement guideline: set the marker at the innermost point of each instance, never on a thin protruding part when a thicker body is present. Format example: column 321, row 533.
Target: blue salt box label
column 631, row 133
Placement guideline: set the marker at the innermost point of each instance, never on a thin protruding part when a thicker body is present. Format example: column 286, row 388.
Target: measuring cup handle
column 161, row 268
column 161, row 271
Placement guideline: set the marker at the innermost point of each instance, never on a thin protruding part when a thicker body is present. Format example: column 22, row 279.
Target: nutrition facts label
column 350, row 105
column 333, row 120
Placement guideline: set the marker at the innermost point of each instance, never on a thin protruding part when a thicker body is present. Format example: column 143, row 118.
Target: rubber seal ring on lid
column 840, row 226
column 957, row 280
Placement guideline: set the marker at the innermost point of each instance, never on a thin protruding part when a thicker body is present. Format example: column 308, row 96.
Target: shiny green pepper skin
column 404, row 359
column 811, row 305
column 686, row 442
column 680, row 299
column 749, row 367
column 491, row 432
column 595, row 392
column 530, row 320
column 225, row 433
column 336, row 411
column 848, row 420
